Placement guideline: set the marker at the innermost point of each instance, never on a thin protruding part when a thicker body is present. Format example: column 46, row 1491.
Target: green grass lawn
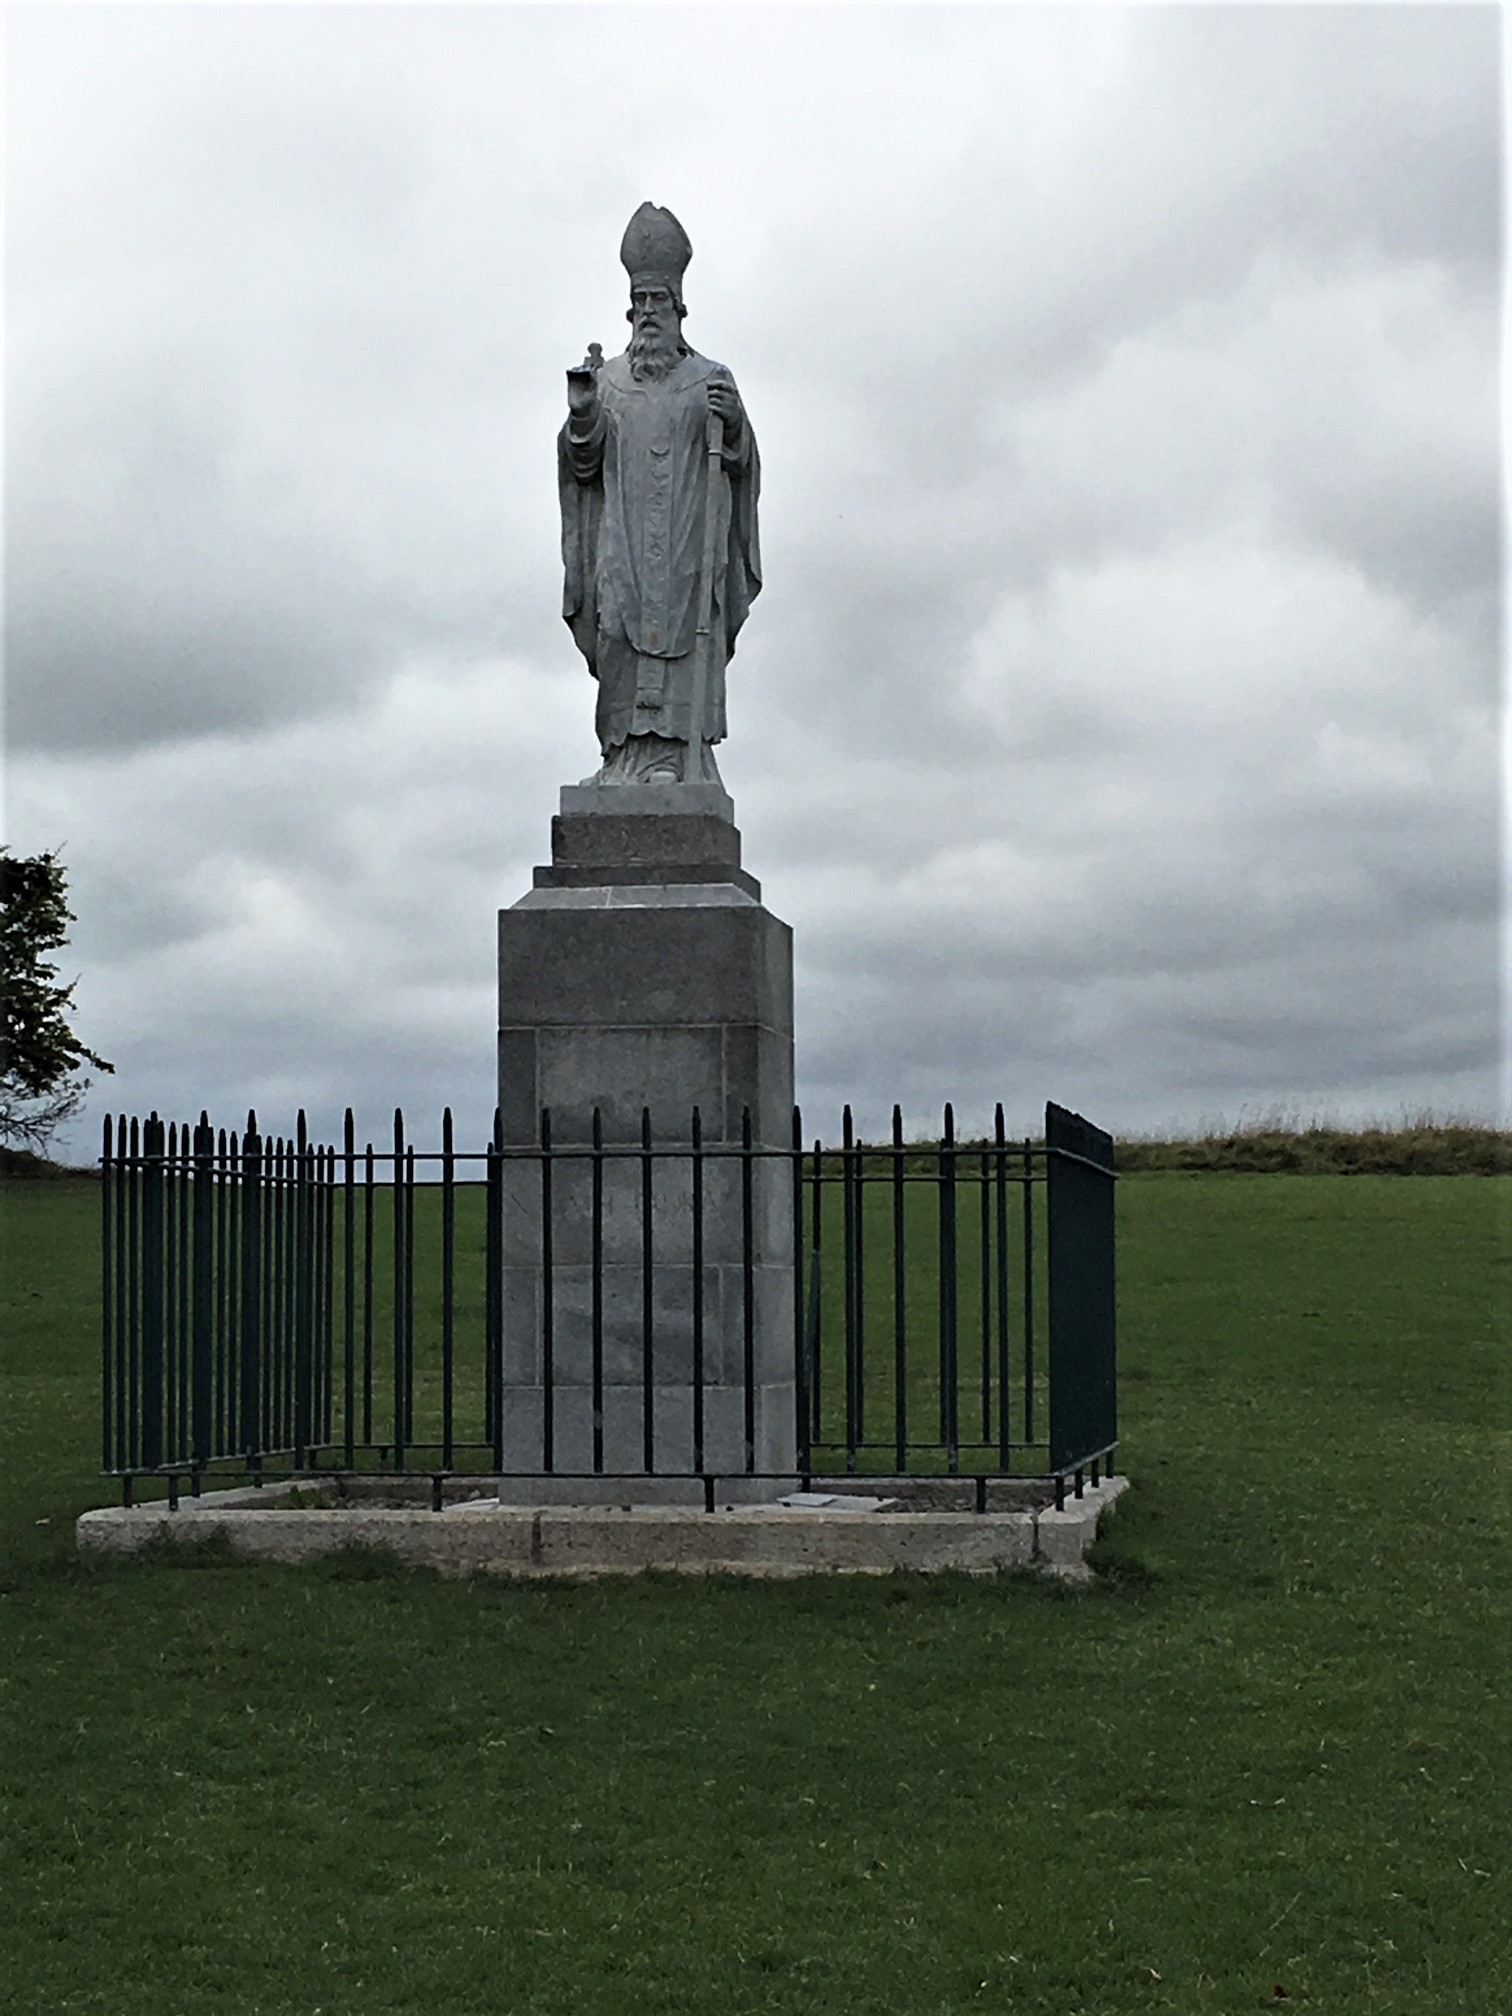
column 1269, row 1753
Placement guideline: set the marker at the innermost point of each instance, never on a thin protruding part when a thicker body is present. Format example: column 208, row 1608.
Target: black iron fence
column 274, row 1306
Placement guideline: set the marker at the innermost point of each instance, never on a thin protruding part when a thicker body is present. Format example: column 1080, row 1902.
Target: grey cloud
column 1114, row 723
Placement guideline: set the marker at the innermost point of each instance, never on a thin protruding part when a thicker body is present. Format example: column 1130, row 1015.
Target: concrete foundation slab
column 478, row 1534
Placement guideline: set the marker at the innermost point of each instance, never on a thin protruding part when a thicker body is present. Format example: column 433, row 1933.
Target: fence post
column 801, row 1369
column 448, row 1283
column 303, row 1257
column 853, row 1389
column 949, row 1382
column 202, row 1339
column 816, row 1299
column 349, row 1286
column 548, row 1304
column 250, row 1411
column 493, row 1313
column 900, row 1301
column 107, row 1285
column 401, row 1411
column 1005, row 1396
column 173, row 1272
column 648, row 1300
column 152, row 1292
column 1080, row 1210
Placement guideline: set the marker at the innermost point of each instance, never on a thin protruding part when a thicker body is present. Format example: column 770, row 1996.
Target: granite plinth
column 613, row 848
column 645, row 800
column 642, row 972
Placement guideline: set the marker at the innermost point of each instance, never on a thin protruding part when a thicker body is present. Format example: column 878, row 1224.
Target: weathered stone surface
column 679, row 1001
column 542, row 1536
column 700, row 958
column 646, row 801
column 617, row 840
column 551, row 1539
column 658, row 478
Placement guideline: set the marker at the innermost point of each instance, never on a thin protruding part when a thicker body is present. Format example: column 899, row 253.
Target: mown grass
column 1267, row 1754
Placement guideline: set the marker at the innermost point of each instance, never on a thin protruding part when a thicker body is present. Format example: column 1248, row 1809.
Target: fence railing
column 274, row 1306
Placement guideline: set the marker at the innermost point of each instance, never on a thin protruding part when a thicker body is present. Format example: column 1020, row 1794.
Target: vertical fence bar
column 548, row 1308
column 184, row 1181
column 107, row 1286
column 596, row 1285
column 858, row 1272
column 270, row 1417
column 801, row 1372
column 1005, row 1424
column 401, row 1409
column 369, row 1207
column 303, row 1201
column 232, row 1176
column 324, row 1287
column 327, row 1362
column 169, row 1194
column 152, row 1293
column 448, row 1283
column 124, row 1313
column 409, row 1295
column 900, row 1300
column 493, row 1339
column 320, row 1277
column 288, row 1283
column 816, row 1300
column 1028, row 1290
column 648, row 1297
column 202, row 1403
column 349, row 1288
column 848, row 1249
column 985, row 1187
column 696, row 1174
column 183, row 1288
column 250, row 1410
column 748, row 1284
column 134, row 1300
column 292, row 1284
column 949, row 1367
column 223, row 1433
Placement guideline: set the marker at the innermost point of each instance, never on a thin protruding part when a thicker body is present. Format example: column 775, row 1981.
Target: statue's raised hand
column 582, row 384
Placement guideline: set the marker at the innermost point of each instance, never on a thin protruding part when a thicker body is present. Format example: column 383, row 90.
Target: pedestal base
column 642, row 973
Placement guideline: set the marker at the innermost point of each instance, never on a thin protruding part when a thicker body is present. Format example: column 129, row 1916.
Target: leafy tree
column 42, row 1063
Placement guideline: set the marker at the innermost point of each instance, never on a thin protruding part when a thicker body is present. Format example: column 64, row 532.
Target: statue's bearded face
column 655, row 331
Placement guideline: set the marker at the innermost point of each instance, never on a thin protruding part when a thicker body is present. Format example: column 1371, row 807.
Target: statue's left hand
column 725, row 401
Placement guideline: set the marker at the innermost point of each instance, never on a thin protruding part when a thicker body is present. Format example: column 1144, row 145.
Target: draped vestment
column 635, row 489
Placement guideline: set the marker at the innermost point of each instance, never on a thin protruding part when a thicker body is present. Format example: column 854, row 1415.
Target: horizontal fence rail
column 273, row 1306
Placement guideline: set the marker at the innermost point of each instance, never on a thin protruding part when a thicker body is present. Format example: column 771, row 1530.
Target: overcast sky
column 1119, row 722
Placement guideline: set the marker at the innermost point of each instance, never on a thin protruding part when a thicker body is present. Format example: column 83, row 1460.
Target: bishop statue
column 659, row 476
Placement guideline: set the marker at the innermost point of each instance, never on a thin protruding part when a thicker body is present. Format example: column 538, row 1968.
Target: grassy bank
column 1266, row 1755
column 1274, row 1147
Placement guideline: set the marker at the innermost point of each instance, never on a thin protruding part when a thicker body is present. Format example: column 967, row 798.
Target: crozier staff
column 659, row 531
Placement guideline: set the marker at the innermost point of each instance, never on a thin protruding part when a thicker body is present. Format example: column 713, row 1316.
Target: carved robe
column 635, row 488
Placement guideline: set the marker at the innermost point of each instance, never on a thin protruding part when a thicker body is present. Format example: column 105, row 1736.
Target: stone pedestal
column 643, row 972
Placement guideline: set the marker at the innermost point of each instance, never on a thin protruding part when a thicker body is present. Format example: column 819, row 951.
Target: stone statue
column 659, row 476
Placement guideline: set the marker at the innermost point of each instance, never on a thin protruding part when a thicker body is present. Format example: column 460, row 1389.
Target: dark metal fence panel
column 266, row 1307
column 1083, row 1303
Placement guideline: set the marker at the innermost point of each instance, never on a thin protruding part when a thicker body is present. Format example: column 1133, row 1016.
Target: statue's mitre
column 655, row 248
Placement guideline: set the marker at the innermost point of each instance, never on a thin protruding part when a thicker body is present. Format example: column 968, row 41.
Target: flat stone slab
column 844, row 1532
column 646, row 800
